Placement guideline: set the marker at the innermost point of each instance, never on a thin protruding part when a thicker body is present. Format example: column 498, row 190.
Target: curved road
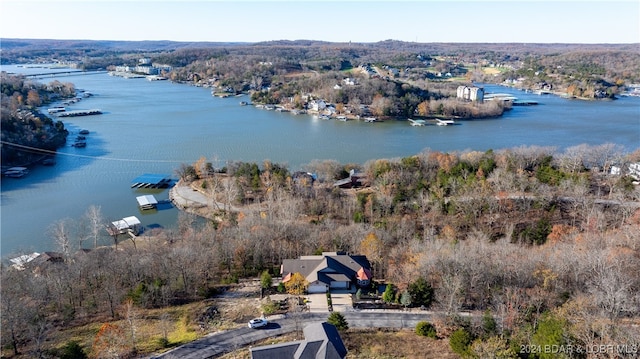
column 220, row 343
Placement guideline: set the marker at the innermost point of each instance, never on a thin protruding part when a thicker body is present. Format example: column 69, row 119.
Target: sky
column 476, row 21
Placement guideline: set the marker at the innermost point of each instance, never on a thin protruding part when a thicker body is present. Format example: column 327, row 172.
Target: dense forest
column 544, row 242
column 24, row 129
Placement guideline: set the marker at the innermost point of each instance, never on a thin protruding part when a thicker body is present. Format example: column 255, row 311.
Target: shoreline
column 187, row 199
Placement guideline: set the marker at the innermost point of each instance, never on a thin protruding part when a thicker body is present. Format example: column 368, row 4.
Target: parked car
column 257, row 323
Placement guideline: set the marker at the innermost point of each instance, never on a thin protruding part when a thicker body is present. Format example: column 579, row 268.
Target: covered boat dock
column 147, row 202
column 126, row 225
column 151, row 180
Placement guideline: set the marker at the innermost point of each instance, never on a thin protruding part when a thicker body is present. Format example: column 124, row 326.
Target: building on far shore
column 471, row 93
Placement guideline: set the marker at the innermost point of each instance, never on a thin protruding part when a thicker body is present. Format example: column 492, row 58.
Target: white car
column 257, row 323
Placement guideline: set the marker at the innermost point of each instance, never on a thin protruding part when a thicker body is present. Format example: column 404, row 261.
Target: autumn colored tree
column 423, row 108
column 372, row 247
column 33, row 98
column 109, row 342
column 297, row 285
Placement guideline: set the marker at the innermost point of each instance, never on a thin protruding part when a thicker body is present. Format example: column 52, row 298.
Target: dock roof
column 147, row 200
column 127, row 222
column 151, row 178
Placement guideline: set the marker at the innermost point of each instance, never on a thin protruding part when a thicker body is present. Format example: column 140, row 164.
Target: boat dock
column 147, row 202
column 499, row 96
column 76, row 113
column 126, row 225
column 151, row 180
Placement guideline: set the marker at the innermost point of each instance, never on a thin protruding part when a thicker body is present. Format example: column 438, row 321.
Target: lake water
column 153, row 127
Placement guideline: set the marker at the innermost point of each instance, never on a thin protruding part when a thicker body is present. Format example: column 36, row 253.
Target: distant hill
column 124, row 46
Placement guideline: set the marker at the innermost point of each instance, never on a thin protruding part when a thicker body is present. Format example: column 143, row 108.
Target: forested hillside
column 23, row 127
column 544, row 242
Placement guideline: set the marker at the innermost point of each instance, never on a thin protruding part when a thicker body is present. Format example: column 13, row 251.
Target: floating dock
column 151, row 180
column 76, row 113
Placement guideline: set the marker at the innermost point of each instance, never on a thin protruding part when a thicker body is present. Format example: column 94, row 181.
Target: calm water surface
column 153, row 127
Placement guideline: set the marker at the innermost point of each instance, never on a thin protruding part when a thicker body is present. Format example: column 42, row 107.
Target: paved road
column 220, row 343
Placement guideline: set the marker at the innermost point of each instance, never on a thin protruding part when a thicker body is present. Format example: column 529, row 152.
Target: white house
column 317, row 105
column 349, row 81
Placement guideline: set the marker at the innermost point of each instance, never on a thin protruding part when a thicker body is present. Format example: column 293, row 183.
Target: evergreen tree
column 338, row 320
column 421, row 292
column 389, row 294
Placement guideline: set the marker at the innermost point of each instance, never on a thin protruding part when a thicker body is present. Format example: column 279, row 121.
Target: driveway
column 341, row 301
column 318, row 303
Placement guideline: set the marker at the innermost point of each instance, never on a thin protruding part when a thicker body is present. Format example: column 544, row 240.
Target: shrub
column 389, row 294
column 72, row 350
column 270, row 307
column 489, row 325
column 460, row 340
column 163, row 342
column 551, row 332
column 426, row 329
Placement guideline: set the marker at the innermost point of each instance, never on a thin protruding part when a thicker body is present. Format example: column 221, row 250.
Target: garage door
column 339, row 285
column 317, row 288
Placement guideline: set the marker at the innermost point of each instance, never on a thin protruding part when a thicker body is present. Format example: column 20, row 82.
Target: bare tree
column 230, row 193
column 14, row 314
column 60, row 231
column 95, row 220
column 131, row 317
column 612, row 287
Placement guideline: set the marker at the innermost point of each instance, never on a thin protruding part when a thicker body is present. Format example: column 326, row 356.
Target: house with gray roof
column 331, row 270
column 322, row 341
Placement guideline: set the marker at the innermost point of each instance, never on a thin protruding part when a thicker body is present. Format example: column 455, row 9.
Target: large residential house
column 470, row 93
column 331, row 270
column 317, row 105
column 322, row 341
